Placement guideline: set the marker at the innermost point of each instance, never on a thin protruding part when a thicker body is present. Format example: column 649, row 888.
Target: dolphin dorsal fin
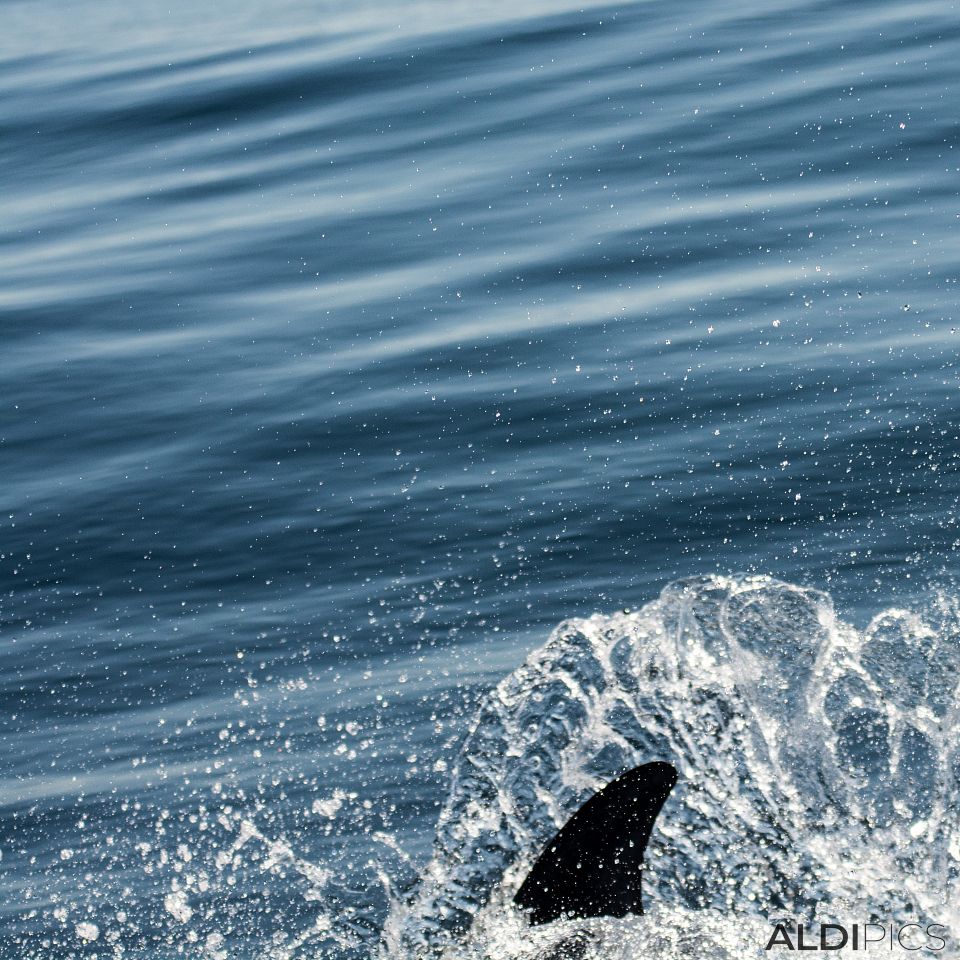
column 592, row 867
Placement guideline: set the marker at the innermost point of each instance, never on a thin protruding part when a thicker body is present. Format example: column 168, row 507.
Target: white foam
column 818, row 773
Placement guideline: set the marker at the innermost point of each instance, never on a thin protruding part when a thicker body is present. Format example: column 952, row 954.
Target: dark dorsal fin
column 591, row 868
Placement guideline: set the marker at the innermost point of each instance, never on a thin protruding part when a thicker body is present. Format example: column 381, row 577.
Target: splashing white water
column 818, row 775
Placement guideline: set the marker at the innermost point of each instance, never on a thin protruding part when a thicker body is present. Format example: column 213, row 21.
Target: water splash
column 818, row 774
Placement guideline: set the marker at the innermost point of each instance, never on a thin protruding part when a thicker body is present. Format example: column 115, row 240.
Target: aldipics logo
column 857, row 936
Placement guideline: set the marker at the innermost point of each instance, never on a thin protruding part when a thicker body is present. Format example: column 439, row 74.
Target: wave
column 818, row 772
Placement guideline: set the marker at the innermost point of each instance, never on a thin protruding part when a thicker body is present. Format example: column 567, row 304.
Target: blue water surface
column 347, row 349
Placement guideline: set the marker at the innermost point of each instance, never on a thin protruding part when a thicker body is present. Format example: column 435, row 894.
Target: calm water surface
column 346, row 351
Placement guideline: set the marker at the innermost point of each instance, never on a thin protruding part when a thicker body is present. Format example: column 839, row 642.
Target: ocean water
column 355, row 354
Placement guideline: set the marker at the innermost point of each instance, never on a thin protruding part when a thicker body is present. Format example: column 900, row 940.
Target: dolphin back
column 593, row 866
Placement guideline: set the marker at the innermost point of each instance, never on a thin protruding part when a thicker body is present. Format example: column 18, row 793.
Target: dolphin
column 593, row 866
